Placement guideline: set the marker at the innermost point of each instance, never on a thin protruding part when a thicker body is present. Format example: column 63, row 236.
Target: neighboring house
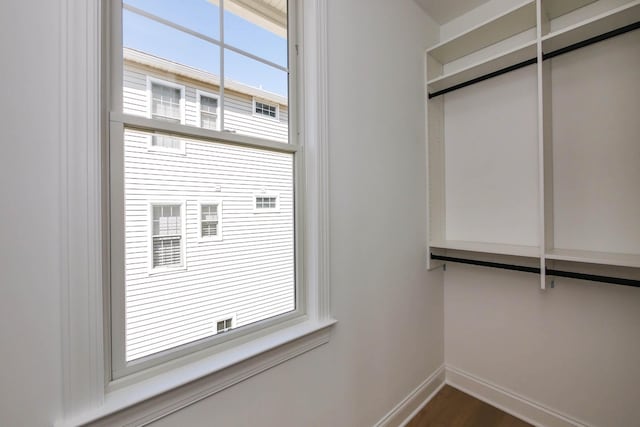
column 209, row 226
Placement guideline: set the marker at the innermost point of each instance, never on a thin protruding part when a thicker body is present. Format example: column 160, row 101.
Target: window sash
column 172, row 123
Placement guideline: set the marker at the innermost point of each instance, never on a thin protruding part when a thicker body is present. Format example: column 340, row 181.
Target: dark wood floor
column 453, row 408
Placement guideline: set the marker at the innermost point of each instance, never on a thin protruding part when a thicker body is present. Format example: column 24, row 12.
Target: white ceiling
column 443, row 11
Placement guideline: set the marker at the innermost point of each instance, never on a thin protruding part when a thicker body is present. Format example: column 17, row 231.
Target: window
column 169, row 312
column 208, row 110
column 166, row 103
column 264, row 109
column 224, row 325
column 166, row 232
column 211, row 221
column 266, row 202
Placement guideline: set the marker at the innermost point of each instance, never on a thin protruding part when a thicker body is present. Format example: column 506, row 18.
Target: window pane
column 267, row 85
column 255, row 34
column 156, row 51
column 201, row 16
column 249, row 272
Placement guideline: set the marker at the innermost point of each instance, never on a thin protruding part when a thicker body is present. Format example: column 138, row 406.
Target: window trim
column 199, row 94
column 269, row 103
column 154, row 271
column 84, row 121
column 219, row 236
column 257, row 210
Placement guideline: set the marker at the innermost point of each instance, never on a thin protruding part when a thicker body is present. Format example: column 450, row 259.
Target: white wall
column 30, row 377
column 390, row 335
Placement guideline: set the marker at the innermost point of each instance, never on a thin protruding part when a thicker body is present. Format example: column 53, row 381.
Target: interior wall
column 30, row 377
column 390, row 310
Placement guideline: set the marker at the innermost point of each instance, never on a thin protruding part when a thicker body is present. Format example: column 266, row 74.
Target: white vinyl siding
column 239, row 116
column 250, row 273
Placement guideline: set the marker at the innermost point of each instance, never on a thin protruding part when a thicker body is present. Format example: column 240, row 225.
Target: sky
column 202, row 16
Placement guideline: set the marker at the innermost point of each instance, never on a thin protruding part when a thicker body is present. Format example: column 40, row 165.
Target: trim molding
column 408, row 407
column 508, row 401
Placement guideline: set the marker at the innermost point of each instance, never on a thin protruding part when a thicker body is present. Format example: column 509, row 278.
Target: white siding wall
column 238, row 112
column 248, row 274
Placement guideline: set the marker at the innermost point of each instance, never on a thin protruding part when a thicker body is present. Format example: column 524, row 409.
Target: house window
column 166, row 229
column 266, row 202
column 166, row 102
column 208, row 107
column 224, row 325
column 210, row 226
column 265, row 109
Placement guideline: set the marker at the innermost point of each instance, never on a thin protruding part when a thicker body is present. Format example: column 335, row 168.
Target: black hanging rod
column 545, row 56
column 536, row 270
column 485, row 77
column 592, row 40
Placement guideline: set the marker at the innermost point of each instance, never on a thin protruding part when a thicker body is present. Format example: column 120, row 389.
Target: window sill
column 156, row 397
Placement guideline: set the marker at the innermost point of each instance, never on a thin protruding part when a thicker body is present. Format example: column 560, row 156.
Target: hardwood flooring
column 453, row 408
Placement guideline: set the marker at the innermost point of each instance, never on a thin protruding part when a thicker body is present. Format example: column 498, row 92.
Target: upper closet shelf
column 614, row 19
column 592, row 257
column 555, row 8
column 510, row 23
column 492, row 248
column 483, row 68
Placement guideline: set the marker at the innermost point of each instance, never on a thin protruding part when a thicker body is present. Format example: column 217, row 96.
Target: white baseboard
column 404, row 411
column 508, row 401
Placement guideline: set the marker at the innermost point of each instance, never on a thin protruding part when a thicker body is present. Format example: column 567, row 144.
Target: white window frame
column 218, row 236
column 266, row 210
column 183, row 237
column 88, row 396
column 269, row 103
column 231, row 316
column 183, row 115
column 200, row 93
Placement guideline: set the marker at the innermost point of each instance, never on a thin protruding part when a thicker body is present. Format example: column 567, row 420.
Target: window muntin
column 208, row 164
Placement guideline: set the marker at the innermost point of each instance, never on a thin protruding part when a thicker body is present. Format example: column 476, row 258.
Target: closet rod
column 484, row 77
column 545, row 56
column 592, row 40
column 536, row 270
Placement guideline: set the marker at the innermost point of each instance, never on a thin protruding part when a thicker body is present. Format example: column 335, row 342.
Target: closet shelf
column 483, row 68
column 592, row 257
column 557, row 8
column 614, row 19
column 490, row 248
column 510, row 23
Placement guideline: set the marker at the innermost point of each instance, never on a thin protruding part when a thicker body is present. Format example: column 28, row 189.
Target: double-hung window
column 185, row 76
